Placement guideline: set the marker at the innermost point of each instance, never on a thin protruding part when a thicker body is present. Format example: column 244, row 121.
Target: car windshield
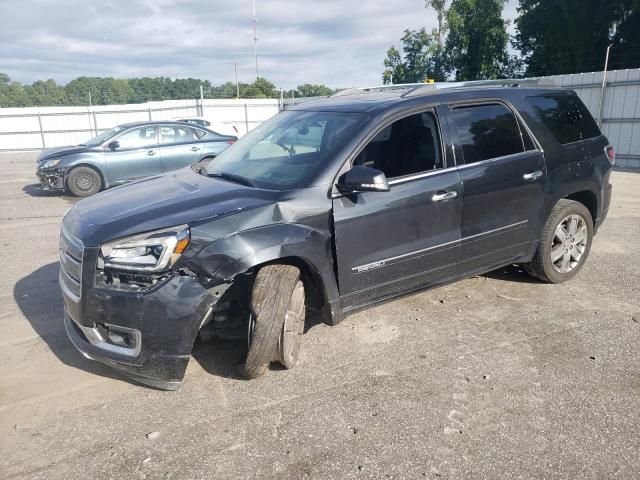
column 104, row 136
column 285, row 151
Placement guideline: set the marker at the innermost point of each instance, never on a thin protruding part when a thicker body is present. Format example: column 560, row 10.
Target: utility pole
column 90, row 103
column 201, row 101
column 235, row 66
column 604, row 85
column 254, row 21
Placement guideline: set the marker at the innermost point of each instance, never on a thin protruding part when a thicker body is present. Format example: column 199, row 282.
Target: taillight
column 611, row 154
column 231, row 142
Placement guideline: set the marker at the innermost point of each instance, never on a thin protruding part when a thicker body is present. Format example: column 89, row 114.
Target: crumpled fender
column 232, row 255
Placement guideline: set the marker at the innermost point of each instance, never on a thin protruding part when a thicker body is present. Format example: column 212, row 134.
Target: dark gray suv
column 330, row 207
column 125, row 153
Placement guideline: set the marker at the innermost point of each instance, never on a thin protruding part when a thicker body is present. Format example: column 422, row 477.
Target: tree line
column 109, row 91
column 471, row 40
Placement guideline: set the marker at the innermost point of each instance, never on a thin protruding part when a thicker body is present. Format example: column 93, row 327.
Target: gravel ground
column 497, row 376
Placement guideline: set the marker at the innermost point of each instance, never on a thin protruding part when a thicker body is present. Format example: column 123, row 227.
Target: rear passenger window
column 565, row 116
column 487, row 131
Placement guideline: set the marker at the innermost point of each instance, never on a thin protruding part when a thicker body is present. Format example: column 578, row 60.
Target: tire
column 273, row 289
column 557, row 260
column 84, row 181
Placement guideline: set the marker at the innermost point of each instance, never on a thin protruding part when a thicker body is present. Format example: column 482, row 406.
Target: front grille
column 71, row 250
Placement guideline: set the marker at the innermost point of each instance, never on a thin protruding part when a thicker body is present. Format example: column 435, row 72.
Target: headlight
column 50, row 163
column 147, row 252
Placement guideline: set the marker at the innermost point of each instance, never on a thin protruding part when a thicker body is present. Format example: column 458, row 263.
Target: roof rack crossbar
column 506, row 82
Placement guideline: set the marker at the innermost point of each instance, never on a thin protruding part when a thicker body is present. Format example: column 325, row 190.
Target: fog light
column 120, row 339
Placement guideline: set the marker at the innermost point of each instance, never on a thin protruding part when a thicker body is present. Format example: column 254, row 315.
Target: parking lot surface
column 497, row 376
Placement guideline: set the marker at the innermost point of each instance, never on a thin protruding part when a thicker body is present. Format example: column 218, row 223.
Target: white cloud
column 336, row 42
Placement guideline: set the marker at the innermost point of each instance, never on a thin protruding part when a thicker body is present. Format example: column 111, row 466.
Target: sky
column 335, row 42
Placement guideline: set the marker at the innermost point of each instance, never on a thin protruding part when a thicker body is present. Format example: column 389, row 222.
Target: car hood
column 48, row 153
column 180, row 197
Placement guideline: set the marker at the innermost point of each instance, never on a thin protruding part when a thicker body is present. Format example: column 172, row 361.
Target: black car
column 330, row 207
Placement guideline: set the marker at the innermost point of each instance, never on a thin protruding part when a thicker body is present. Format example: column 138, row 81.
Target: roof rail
column 377, row 88
column 506, row 82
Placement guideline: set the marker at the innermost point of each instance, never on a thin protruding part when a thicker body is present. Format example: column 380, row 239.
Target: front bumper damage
column 147, row 335
column 51, row 179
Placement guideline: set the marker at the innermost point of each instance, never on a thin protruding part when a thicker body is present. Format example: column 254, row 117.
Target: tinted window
column 138, row 138
column 408, row 146
column 487, row 131
column 175, row 134
column 285, row 151
column 565, row 116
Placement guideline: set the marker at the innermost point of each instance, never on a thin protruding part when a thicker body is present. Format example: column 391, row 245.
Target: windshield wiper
column 232, row 178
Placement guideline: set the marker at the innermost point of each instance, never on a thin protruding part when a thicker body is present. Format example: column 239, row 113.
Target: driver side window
column 406, row 147
column 137, row 138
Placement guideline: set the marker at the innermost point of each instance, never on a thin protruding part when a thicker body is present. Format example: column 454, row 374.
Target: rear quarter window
column 565, row 116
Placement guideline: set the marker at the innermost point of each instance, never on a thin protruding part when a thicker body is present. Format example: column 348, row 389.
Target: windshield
column 285, row 151
column 100, row 139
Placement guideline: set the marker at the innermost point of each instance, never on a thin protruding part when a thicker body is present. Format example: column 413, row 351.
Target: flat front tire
column 564, row 244
column 276, row 320
column 84, row 181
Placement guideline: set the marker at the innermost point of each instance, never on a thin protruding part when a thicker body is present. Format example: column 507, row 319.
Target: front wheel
column 84, row 181
column 564, row 244
column 276, row 320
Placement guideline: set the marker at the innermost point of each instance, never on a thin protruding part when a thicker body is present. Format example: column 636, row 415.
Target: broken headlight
column 148, row 252
column 50, row 163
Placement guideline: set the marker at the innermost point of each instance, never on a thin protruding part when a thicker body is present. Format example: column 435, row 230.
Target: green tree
column 571, row 36
column 415, row 63
column 45, row 93
column 309, row 90
column 476, row 47
column 260, row 88
column 440, row 7
column 12, row 94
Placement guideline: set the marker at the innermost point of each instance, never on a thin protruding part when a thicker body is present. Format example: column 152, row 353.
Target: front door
column 393, row 242
column 136, row 155
column 504, row 179
column 179, row 147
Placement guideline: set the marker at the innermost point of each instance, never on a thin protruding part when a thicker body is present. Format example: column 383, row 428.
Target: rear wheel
column 564, row 244
column 84, row 181
column 276, row 321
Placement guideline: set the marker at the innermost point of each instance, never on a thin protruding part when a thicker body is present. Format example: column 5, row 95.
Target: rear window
column 487, row 131
column 565, row 116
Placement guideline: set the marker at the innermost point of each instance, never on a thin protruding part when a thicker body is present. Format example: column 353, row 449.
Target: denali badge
column 371, row 266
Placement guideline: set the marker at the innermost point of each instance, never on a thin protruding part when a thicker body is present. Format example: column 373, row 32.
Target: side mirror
column 113, row 145
column 362, row 179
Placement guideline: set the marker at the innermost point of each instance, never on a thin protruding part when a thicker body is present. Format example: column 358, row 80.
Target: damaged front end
column 51, row 179
column 133, row 305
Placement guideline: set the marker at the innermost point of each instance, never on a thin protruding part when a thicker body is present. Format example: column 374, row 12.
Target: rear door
column 179, row 146
column 393, row 242
column 136, row 156
column 504, row 179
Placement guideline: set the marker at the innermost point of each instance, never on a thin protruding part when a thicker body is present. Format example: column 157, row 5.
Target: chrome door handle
column 151, row 153
column 532, row 175
column 195, row 149
column 438, row 197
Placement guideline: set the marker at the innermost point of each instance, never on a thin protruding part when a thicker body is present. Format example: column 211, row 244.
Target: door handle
column 151, row 153
column 439, row 196
column 532, row 175
column 195, row 149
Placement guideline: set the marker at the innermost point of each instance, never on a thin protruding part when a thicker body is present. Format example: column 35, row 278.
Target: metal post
column 201, row 102
column 235, row 64
column 149, row 113
column 44, row 145
column 293, row 97
column 246, row 118
column 281, row 99
column 604, row 86
column 95, row 122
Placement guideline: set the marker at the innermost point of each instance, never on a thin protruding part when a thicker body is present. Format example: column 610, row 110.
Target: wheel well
column 88, row 165
column 588, row 199
column 315, row 293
